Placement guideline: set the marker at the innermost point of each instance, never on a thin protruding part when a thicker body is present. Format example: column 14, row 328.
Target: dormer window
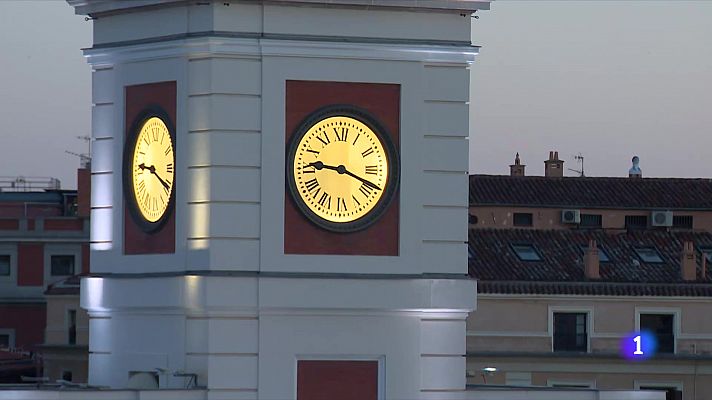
column 526, row 252
column 649, row 255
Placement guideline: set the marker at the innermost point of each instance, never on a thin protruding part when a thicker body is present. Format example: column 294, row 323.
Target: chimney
column 688, row 262
column 703, row 265
column 591, row 262
column 635, row 171
column 516, row 169
column 553, row 167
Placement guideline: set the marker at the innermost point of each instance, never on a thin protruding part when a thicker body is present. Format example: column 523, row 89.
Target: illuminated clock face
column 152, row 173
column 342, row 169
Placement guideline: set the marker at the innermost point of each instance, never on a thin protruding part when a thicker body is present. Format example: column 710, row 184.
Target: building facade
column 44, row 238
column 568, row 268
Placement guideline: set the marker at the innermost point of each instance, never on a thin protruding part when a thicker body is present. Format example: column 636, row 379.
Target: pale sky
column 609, row 79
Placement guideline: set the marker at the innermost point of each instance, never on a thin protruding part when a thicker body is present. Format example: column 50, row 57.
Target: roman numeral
column 357, row 135
column 155, row 134
column 367, row 152
column 313, row 151
column 145, row 139
column 342, row 136
column 169, row 168
column 325, row 199
column 326, row 136
column 372, row 169
column 311, row 184
column 366, row 190
column 168, row 150
column 165, row 189
column 356, row 202
column 308, row 169
column 340, row 204
column 141, row 186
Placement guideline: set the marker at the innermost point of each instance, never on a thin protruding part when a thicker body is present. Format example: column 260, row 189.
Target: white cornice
column 255, row 48
column 94, row 7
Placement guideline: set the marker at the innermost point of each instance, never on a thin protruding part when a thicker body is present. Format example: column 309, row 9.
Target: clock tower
column 280, row 191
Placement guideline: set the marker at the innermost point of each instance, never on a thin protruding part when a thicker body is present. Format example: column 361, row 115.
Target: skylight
column 602, row 255
column 649, row 254
column 526, row 252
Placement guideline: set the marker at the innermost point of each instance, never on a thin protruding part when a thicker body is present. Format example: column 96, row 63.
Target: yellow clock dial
column 153, row 169
column 340, row 169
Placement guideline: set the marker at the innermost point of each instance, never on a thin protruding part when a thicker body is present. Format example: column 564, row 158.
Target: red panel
column 85, row 259
column 30, row 264
column 64, row 224
column 342, row 380
column 83, row 192
column 23, row 210
column 9, row 224
column 28, row 321
column 138, row 98
column 382, row 101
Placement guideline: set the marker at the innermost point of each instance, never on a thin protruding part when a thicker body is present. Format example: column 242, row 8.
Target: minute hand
column 365, row 182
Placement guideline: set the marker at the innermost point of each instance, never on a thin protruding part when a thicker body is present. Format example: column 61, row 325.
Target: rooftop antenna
column 84, row 158
column 579, row 161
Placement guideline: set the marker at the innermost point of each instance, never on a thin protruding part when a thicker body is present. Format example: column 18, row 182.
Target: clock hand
column 152, row 169
column 342, row 170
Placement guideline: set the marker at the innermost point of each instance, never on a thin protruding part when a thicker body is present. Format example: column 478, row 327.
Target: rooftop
column 640, row 263
column 597, row 192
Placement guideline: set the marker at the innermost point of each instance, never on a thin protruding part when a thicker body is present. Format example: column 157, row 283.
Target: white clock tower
column 312, row 243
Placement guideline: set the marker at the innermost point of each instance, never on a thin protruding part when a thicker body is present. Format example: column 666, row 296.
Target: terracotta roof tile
column 597, row 192
column 561, row 269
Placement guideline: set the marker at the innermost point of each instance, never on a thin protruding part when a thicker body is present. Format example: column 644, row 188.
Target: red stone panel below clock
column 138, row 98
column 383, row 102
column 342, row 380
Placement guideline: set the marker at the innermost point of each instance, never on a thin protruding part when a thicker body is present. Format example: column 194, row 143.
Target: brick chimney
column 516, row 169
column 703, row 265
column 553, row 167
column 591, row 262
column 688, row 262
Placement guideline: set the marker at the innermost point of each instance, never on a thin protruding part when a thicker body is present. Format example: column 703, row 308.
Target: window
column 62, row 265
column 636, row 221
column 523, row 219
column 72, row 326
column 649, row 255
column 661, row 325
column 526, row 252
column 707, row 251
column 67, row 376
column 682, row 221
column 602, row 255
column 591, row 221
column 570, row 331
column 4, row 341
column 671, row 393
column 473, row 219
column 4, row 265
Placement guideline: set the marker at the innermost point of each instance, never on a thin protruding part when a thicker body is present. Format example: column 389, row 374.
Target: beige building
column 569, row 268
column 65, row 351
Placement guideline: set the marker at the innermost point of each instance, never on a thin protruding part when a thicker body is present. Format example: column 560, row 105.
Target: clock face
column 342, row 169
column 150, row 171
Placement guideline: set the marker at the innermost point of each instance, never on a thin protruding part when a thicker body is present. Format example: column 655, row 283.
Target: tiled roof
column 603, row 192
column 561, row 269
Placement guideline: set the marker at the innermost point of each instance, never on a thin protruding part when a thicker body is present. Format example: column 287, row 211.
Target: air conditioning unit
column 571, row 216
column 661, row 218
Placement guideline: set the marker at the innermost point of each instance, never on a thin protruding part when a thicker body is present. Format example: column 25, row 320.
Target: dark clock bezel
column 129, row 146
column 365, row 117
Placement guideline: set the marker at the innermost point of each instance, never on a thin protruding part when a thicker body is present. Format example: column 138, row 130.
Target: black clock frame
column 129, row 145
column 391, row 187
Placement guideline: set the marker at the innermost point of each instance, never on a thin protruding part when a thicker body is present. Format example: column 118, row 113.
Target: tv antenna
column 579, row 161
column 84, row 158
